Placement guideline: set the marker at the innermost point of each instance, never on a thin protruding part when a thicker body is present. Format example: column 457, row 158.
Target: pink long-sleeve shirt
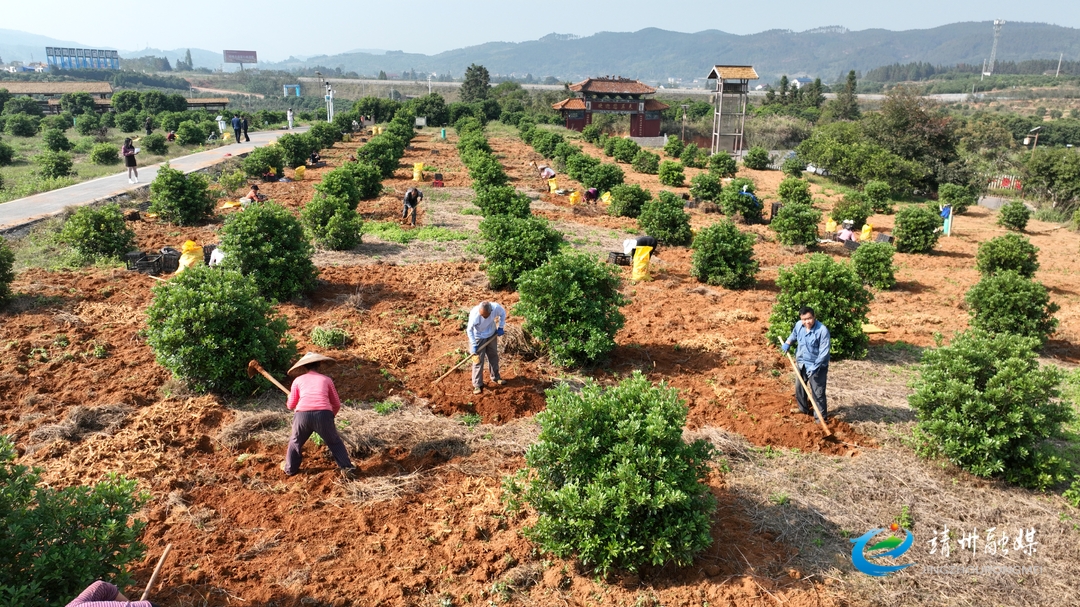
column 103, row 594
column 313, row 391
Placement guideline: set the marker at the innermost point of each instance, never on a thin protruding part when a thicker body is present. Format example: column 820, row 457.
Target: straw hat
column 307, row 359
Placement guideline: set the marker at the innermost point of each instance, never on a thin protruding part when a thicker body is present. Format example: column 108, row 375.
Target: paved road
column 24, row 210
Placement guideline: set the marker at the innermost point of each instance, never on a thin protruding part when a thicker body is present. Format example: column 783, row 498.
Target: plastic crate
column 151, row 264
column 619, row 259
column 170, row 260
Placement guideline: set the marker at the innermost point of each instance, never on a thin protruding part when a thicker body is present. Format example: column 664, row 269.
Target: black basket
column 170, row 260
column 619, row 259
column 207, row 251
column 138, row 261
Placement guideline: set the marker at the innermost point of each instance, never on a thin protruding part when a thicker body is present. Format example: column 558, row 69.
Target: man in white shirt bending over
column 486, row 321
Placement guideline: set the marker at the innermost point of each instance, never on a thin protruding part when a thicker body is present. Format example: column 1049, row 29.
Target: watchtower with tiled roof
column 613, row 95
column 732, row 89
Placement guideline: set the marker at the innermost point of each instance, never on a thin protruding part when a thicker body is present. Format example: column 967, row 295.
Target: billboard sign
column 81, row 58
column 241, row 57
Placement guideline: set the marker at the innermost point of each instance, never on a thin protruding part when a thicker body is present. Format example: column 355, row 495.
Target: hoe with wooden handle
column 463, row 361
column 809, row 394
column 157, row 570
column 254, row 367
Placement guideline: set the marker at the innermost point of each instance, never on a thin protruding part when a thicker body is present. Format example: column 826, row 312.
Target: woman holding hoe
column 316, row 402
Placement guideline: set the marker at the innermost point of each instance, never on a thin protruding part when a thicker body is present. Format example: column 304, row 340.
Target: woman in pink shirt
column 104, row 594
column 316, row 402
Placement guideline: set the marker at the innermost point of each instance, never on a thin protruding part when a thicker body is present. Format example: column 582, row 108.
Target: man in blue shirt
column 811, row 358
column 486, row 320
column 236, row 126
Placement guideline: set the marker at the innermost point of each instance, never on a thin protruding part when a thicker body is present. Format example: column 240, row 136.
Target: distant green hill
column 654, row 55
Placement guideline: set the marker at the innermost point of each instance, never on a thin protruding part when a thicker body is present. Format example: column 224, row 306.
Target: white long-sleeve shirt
column 479, row 328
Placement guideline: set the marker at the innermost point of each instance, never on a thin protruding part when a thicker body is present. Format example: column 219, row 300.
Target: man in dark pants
column 412, row 198
column 243, row 125
column 812, row 360
column 149, row 125
column 236, row 126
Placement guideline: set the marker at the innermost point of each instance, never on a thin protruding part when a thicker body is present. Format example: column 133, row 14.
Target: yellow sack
column 606, row 197
column 830, row 226
column 552, row 186
column 418, row 171
column 191, row 255
column 298, row 173
column 641, row 263
column 575, row 197
column 867, row 233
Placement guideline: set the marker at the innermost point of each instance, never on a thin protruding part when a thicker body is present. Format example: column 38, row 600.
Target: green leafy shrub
column 264, row 160
column 325, row 133
column 55, row 141
column 878, row 195
column 514, row 245
column 189, row 132
column 340, row 184
column 757, row 158
column 724, row 256
column 155, row 143
column 706, row 186
column 22, row 105
column 796, row 224
column 960, row 197
column 604, row 177
column 612, row 480
column 7, row 271
column 267, row 243
column 794, row 190
column 738, row 200
column 673, row 147
column 88, row 124
column 54, row 164
column 296, row 148
column 793, row 167
column 128, row 122
column 836, row 294
column 916, row 229
column 1008, row 252
column 722, row 165
column 105, row 153
column 205, row 324
column 98, row 232
column 663, row 218
column 626, row 149
column 627, row 200
column 1014, row 215
column 502, row 200
column 181, row 199
column 692, row 157
column 671, row 174
column 1006, row 302
column 646, row 162
column 367, row 178
column 986, row 404
column 488, row 173
column 21, row 125
column 7, row 154
column 873, row 262
column 330, row 337
column 56, row 542
column 571, row 306
column 579, row 166
column 852, row 207
column 609, row 146
column 332, row 222
column 565, row 150
column 591, row 133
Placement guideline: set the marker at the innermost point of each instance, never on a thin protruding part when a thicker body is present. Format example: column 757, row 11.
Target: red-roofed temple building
column 613, row 96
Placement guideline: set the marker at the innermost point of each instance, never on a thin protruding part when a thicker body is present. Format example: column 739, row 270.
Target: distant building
column 798, row 83
column 613, row 95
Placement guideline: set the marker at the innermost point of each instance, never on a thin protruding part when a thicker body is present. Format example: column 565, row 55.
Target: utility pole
column 1060, row 57
column 684, row 108
column 989, row 70
column 429, row 80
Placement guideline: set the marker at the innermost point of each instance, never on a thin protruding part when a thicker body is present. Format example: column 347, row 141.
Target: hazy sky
column 279, row 28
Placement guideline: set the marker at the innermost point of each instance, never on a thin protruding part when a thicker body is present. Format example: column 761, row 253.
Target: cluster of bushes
column 738, row 200
column 724, row 256
column 664, row 219
column 267, row 243
column 181, row 199
column 330, row 217
column 98, row 232
column 589, row 171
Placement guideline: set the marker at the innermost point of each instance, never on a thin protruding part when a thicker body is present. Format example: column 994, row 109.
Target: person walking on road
column 289, row 117
column 128, row 151
column 315, row 400
column 413, row 196
column 236, row 125
column 243, row 125
column 486, row 322
column 811, row 360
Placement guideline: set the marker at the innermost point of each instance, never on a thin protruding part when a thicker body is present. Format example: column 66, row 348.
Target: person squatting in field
column 486, row 321
column 412, row 199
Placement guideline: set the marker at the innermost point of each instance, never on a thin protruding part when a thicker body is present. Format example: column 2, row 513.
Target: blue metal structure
column 82, row 58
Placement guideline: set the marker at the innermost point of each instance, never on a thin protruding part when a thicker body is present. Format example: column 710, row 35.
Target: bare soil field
column 424, row 523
